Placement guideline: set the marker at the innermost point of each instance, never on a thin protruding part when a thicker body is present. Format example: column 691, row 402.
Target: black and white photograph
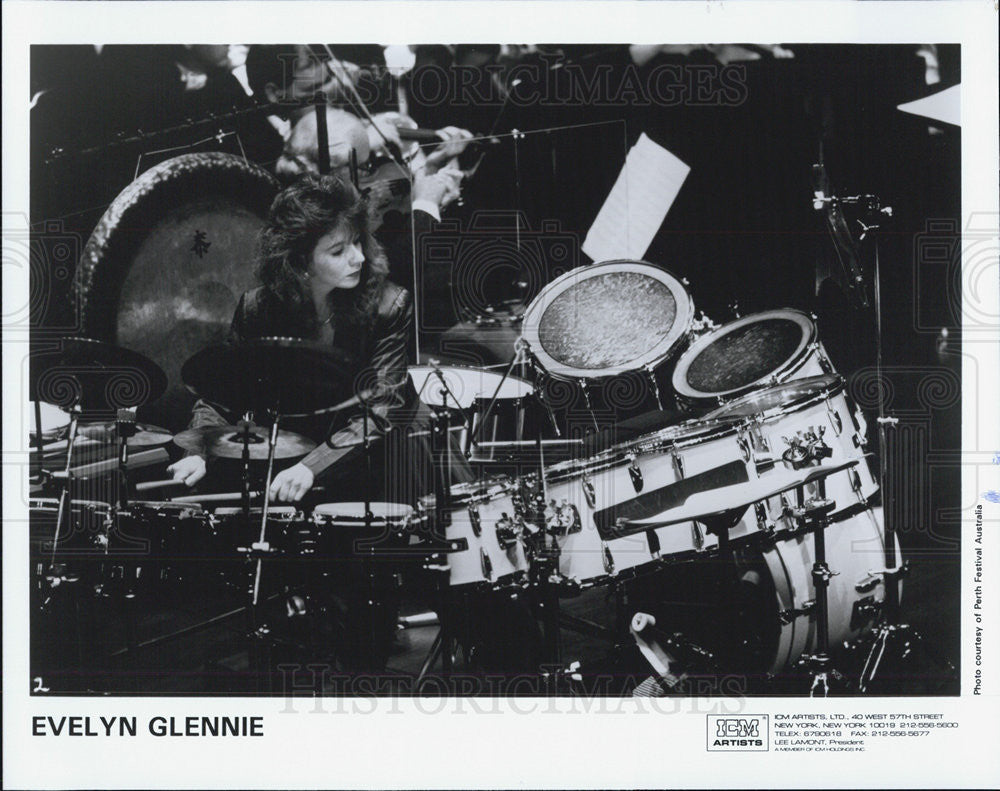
column 488, row 371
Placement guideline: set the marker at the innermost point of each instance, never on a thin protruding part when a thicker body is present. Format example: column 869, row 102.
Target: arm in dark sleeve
column 205, row 413
column 386, row 375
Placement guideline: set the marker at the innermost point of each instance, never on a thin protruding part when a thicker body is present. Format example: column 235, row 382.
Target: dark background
column 743, row 229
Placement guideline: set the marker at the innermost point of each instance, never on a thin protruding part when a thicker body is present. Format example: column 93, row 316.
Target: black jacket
column 376, row 355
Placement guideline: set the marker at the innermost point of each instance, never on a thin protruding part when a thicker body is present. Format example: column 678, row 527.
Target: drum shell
column 150, row 544
column 233, row 537
column 338, row 531
column 476, row 509
column 79, row 547
column 854, row 550
column 585, row 555
column 844, row 434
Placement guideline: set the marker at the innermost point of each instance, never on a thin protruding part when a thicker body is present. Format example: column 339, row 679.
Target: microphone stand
column 891, row 636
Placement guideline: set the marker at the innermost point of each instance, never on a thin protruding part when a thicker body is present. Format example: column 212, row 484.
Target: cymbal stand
column 544, row 570
column 124, row 428
column 438, row 566
column 257, row 631
column 65, row 494
column 537, row 376
column 525, row 357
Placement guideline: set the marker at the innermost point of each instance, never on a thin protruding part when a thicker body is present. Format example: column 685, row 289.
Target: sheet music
column 646, row 188
column 944, row 106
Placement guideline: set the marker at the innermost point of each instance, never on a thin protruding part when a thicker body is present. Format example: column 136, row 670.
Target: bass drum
column 167, row 263
column 854, row 553
column 748, row 354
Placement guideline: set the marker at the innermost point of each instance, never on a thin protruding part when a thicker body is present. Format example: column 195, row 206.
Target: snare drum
column 339, row 528
column 817, row 404
column 637, row 480
column 471, row 391
column 234, row 538
column 484, row 520
column 747, row 354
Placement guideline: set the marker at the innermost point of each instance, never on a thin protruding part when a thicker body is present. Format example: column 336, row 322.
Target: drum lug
column 855, row 480
column 869, row 582
column 634, row 472
column 677, row 462
column 760, row 511
column 696, row 537
column 507, row 532
column 475, row 520
column 860, row 428
column 835, row 421
column 606, row 557
column 588, row 491
column 789, row 615
column 563, row 519
column 744, row 445
column 484, row 561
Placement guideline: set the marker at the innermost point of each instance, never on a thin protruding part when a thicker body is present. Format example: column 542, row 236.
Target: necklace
column 327, row 320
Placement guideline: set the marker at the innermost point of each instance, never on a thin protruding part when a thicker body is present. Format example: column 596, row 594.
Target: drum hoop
column 273, row 511
column 326, row 512
column 53, row 502
column 809, row 335
column 619, row 454
column 651, row 358
column 769, row 415
column 472, row 369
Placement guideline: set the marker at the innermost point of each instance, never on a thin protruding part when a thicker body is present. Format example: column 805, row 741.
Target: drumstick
column 147, row 485
column 212, row 498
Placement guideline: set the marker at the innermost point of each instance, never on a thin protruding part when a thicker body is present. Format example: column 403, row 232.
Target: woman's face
column 337, row 259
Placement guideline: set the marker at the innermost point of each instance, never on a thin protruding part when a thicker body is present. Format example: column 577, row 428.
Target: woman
column 323, row 278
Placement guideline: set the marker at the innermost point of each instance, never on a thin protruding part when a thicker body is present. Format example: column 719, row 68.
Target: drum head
column 780, row 398
column 465, row 385
column 608, row 318
column 54, row 421
column 166, row 265
column 750, row 352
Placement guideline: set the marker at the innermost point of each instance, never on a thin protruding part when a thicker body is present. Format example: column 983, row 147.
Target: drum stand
column 258, row 632
column 813, row 517
column 442, row 647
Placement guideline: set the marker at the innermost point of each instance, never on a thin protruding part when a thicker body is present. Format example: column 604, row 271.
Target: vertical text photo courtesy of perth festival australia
column 474, row 369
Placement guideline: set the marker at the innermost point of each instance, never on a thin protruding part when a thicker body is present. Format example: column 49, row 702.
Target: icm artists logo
column 746, row 732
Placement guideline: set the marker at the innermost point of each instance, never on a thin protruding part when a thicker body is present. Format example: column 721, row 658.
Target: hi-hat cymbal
column 146, row 436
column 226, row 442
column 95, row 375
column 288, row 375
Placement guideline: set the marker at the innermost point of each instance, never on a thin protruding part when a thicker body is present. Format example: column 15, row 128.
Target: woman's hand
column 289, row 486
column 188, row 470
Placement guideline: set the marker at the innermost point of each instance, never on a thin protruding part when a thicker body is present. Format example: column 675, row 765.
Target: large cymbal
column 146, row 436
column 288, row 375
column 226, row 442
column 95, row 376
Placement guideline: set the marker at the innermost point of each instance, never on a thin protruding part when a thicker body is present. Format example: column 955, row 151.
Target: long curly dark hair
column 299, row 216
